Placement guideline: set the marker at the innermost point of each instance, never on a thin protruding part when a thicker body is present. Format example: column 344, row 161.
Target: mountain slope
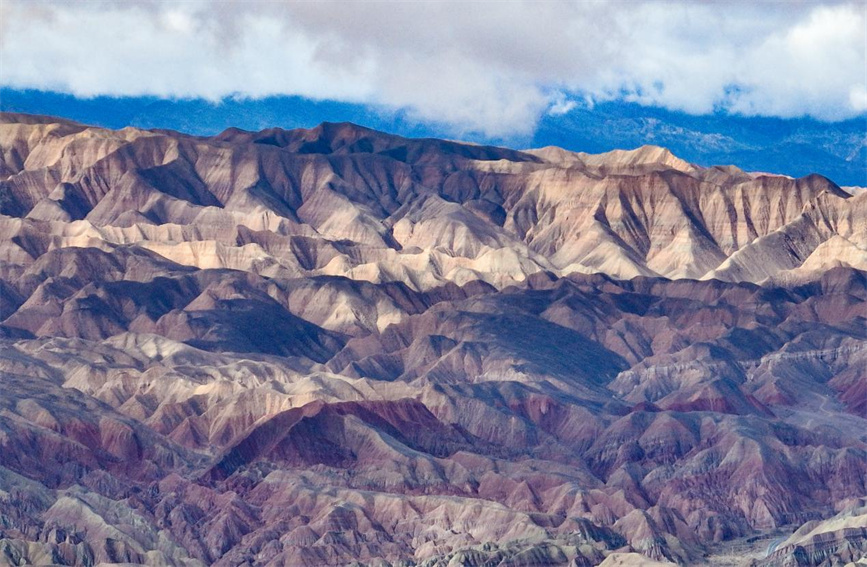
column 323, row 346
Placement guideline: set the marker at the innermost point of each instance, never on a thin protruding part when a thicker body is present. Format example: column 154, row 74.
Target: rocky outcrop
column 840, row 540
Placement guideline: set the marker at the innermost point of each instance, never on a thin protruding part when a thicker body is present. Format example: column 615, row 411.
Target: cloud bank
column 492, row 68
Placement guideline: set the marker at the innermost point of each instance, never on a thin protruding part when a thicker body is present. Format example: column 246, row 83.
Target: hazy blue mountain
column 795, row 147
column 791, row 146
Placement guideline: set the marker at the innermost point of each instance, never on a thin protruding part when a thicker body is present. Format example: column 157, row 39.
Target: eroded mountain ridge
column 331, row 345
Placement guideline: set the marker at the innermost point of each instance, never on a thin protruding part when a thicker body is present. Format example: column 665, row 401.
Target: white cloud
column 492, row 68
column 858, row 98
column 561, row 105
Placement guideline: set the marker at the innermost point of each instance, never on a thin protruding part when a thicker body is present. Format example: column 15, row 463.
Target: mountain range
column 793, row 146
column 335, row 346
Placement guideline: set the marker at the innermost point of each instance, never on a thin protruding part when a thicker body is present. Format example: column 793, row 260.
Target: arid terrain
column 335, row 346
